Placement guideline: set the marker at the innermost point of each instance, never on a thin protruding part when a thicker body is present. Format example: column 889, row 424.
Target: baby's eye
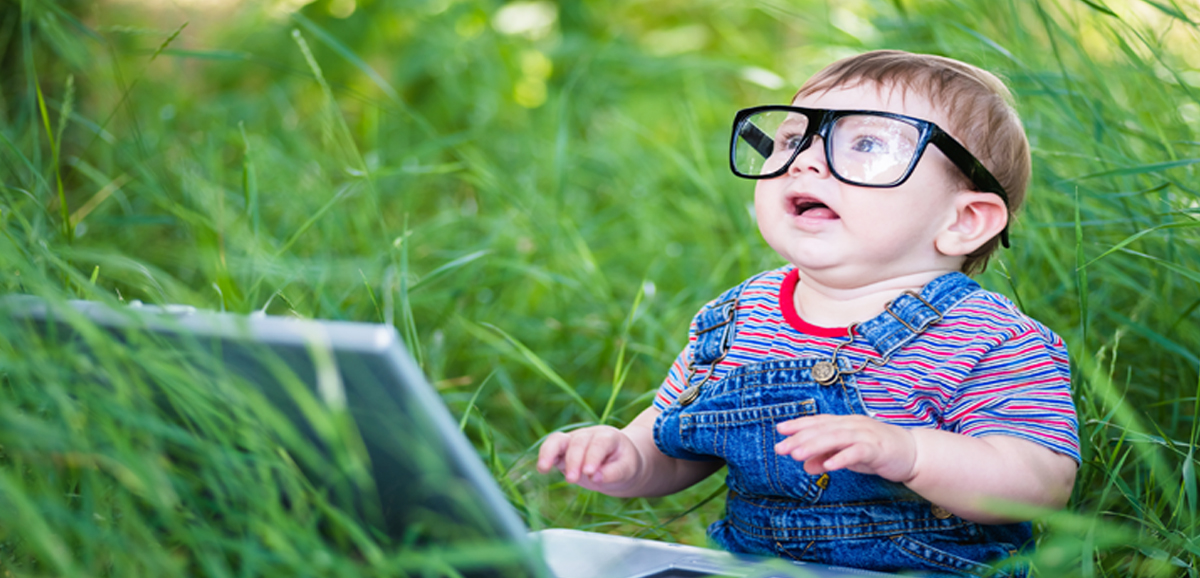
column 788, row 141
column 869, row 144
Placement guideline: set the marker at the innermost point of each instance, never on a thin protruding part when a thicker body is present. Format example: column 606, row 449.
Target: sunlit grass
column 402, row 165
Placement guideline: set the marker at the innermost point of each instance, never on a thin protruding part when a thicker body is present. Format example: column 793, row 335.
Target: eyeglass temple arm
column 978, row 174
column 758, row 139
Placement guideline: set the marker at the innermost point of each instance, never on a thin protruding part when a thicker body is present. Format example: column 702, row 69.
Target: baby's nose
column 811, row 157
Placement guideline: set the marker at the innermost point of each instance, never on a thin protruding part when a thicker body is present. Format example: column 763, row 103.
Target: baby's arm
column 621, row 462
column 960, row 473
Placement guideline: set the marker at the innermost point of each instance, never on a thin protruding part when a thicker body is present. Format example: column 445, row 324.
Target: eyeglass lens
column 864, row 149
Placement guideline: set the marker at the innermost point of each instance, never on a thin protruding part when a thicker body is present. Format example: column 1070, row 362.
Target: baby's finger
column 551, row 451
column 806, row 436
column 853, row 455
column 573, row 460
column 616, row 470
column 793, row 426
column 598, row 450
column 815, row 465
column 806, row 446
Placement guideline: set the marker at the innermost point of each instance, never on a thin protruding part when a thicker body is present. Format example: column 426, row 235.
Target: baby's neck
column 826, row 306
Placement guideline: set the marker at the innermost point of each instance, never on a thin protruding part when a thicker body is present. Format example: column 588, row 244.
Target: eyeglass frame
column 823, row 119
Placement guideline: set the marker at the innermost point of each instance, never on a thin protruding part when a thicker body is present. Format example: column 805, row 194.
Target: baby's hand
column 856, row 442
column 600, row 458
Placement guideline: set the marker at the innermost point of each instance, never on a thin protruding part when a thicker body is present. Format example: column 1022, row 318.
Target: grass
column 540, row 213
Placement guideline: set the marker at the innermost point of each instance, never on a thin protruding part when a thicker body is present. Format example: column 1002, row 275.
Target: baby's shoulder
column 990, row 314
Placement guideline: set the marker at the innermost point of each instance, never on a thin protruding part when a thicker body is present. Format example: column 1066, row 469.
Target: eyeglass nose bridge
column 806, row 144
column 823, row 124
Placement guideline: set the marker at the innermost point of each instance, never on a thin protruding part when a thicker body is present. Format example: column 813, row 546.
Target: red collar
column 787, row 303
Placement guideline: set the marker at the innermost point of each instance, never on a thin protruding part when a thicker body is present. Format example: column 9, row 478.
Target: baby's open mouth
column 811, row 208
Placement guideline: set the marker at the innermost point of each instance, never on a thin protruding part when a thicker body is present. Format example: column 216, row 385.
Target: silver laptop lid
column 426, row 490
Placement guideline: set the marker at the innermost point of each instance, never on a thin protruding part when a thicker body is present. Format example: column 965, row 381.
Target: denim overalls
column 841, row 518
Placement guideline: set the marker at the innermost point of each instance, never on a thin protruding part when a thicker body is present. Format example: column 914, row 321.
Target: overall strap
column 907, row 316
column 716, row 327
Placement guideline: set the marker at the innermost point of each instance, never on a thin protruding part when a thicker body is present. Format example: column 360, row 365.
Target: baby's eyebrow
column 866, row 119
column 794, row 121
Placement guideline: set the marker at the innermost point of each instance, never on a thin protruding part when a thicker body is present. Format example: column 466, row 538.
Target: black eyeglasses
column 866, row 148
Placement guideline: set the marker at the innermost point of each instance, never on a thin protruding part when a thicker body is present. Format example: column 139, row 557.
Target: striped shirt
column 984, row 369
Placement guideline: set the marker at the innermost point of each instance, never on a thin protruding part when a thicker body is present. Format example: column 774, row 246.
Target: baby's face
column 850, row 236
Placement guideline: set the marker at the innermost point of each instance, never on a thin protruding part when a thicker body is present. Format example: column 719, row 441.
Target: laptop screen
column 345, row 402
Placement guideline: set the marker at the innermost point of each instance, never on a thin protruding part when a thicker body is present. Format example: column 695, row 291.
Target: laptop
column 422, row 486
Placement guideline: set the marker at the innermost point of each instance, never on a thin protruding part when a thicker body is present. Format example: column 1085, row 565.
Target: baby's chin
column 868, row 276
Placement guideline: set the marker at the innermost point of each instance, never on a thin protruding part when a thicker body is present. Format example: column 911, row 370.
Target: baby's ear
column 977, row 218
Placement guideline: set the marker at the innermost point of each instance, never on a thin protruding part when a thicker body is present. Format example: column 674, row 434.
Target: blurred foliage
column 503, row 182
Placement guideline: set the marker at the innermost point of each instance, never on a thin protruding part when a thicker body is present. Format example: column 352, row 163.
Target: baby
column 874, row 406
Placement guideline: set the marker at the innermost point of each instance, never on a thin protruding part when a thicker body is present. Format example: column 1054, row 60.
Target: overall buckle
column 937, row 314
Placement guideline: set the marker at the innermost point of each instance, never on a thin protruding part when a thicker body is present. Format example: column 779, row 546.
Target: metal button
column 825, row 372
column 689, row 395
column 940, row 512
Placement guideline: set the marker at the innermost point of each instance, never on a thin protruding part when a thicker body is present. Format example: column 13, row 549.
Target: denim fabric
column 842, row 518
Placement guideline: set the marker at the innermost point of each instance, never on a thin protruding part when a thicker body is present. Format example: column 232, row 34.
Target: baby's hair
column 977, row 106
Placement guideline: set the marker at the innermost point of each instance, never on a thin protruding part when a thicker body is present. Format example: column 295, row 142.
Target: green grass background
column 537, row 196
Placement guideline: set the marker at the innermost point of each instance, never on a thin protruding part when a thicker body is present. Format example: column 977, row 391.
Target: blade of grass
column 1135, row 170
column 1188, row 273
column 249, row 181
column 1138, row 235
column 29, row 163
column 721, row 490
column 1189, row 464
column 345, row 191
column 371, row 294
column 342, row 50
column 1097, row 6
column 1158, row 338
column 489, row 332
column 335, row 115
column 67, row 230
column 64, row 112
column 102, row 195
column 1126, row 417
column 621, row 371
column 128, row 90
column 407, row 318
column 34, row 527
column 448, row 267
column 462, row 422
column 1081, row 277
column 1172, row 11
column 225, row 55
